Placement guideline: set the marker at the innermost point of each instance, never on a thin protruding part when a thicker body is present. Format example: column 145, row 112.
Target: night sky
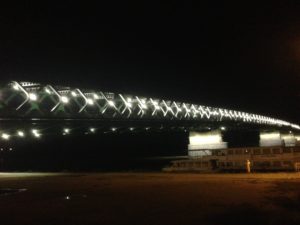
column 244, row 57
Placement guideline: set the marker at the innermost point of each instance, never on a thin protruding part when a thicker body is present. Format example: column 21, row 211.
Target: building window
column 276, row 150
column 256, row 151
column 266, row 151
column 230, row 152
column 277, row 163
column 238, row 151
column 286, row 150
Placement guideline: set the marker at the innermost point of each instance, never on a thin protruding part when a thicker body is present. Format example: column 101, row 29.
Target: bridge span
column 29, row 109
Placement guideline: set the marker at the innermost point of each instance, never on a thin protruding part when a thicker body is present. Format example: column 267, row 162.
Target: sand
column 150, row 198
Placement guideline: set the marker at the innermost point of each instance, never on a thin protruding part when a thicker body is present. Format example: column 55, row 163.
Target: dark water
column 104, row 152
column 98, row 152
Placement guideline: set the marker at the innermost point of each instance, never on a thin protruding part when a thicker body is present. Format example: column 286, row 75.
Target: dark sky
column 244, row 57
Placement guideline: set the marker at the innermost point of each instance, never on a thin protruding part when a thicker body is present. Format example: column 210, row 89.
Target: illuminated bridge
column 36, row 110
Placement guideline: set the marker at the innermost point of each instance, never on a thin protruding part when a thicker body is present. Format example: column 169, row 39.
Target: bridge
column 29, row 109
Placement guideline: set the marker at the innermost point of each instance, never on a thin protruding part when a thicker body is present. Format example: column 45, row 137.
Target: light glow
column 36, row 133
column 64, row 99
column 111, row 103
column 5, row 136
column 90, row 101
column 32, row 96
column 96, row 97
column 66, row 130
column 20, row 133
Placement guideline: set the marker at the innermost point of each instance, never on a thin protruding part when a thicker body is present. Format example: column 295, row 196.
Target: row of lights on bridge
column 142, row 102
column 66, row 131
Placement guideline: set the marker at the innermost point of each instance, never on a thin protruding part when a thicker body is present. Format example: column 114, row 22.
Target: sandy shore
column 150, row 198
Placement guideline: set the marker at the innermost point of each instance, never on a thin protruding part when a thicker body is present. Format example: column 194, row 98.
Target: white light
column 10, row 149
column 128, row 104
column 32, row 96
column 90, row 101
column 73, row 93
column 64, row 99
column 67, row 130
column 92, row 130
column 143, row 101
column 36, row 133
column 270, row 136
column 21, row 134
column 5, row 136
column 16, row 87
column 111, row 103
column 205, row 138
column 47, row 90
column 129, row 99
column 96, row 96
column 131, row 128
column 223, row 128
column 113, row 129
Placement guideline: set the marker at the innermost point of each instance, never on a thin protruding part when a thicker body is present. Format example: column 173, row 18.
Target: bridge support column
column 203, row 143
column 277, row 139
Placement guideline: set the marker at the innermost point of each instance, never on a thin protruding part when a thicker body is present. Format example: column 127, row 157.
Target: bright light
column 266, row 136
column 131, row 128
column 223, row 128
column 129, row 104
column 73, row 93
column 129, row 99
column 96, row 96
column 67, row 130
column 16, row 87
column 113, row 129
column 36, row 133
column 205, row 138
column 47, row 90
column 90, row 101
column 20, row 133
column 92, row 130
column 111, row 103
column 64, row 99
column 5, row 136
column 32, row 96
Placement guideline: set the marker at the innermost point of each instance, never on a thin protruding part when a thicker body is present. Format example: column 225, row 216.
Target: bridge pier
column 277, row 138
column 202, row 143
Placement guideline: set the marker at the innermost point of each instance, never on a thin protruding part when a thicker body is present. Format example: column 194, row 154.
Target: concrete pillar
column 202, row 143
column 289, row 139
column 267, row 139
column 277, row 139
